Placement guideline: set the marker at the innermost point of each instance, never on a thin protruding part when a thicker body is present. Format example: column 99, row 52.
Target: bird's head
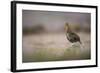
column 66, row 26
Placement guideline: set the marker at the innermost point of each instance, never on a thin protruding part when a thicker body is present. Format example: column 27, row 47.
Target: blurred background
column 44, row 37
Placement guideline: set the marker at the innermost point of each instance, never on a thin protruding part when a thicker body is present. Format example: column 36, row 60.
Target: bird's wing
column 74, row 36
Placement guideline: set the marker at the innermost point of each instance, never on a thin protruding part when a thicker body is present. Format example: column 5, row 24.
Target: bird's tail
column 82, row 46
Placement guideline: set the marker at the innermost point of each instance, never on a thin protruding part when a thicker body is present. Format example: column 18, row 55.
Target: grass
column 57, row 54
column 54, row 47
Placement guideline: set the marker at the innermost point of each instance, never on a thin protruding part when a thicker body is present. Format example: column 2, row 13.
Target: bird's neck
column 69, row 30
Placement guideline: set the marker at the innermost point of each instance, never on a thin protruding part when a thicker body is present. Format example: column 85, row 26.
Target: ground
column 54, row 47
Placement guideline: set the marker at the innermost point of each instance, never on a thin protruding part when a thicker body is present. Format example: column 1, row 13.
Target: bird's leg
column 76, row 48
column 72, row 44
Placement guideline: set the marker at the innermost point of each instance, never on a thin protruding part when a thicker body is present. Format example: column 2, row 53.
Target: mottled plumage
column 71, row 36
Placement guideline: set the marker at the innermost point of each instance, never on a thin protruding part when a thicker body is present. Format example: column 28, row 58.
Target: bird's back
column 73, row 37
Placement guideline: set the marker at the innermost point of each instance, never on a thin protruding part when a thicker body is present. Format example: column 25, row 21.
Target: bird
column 71, row 36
